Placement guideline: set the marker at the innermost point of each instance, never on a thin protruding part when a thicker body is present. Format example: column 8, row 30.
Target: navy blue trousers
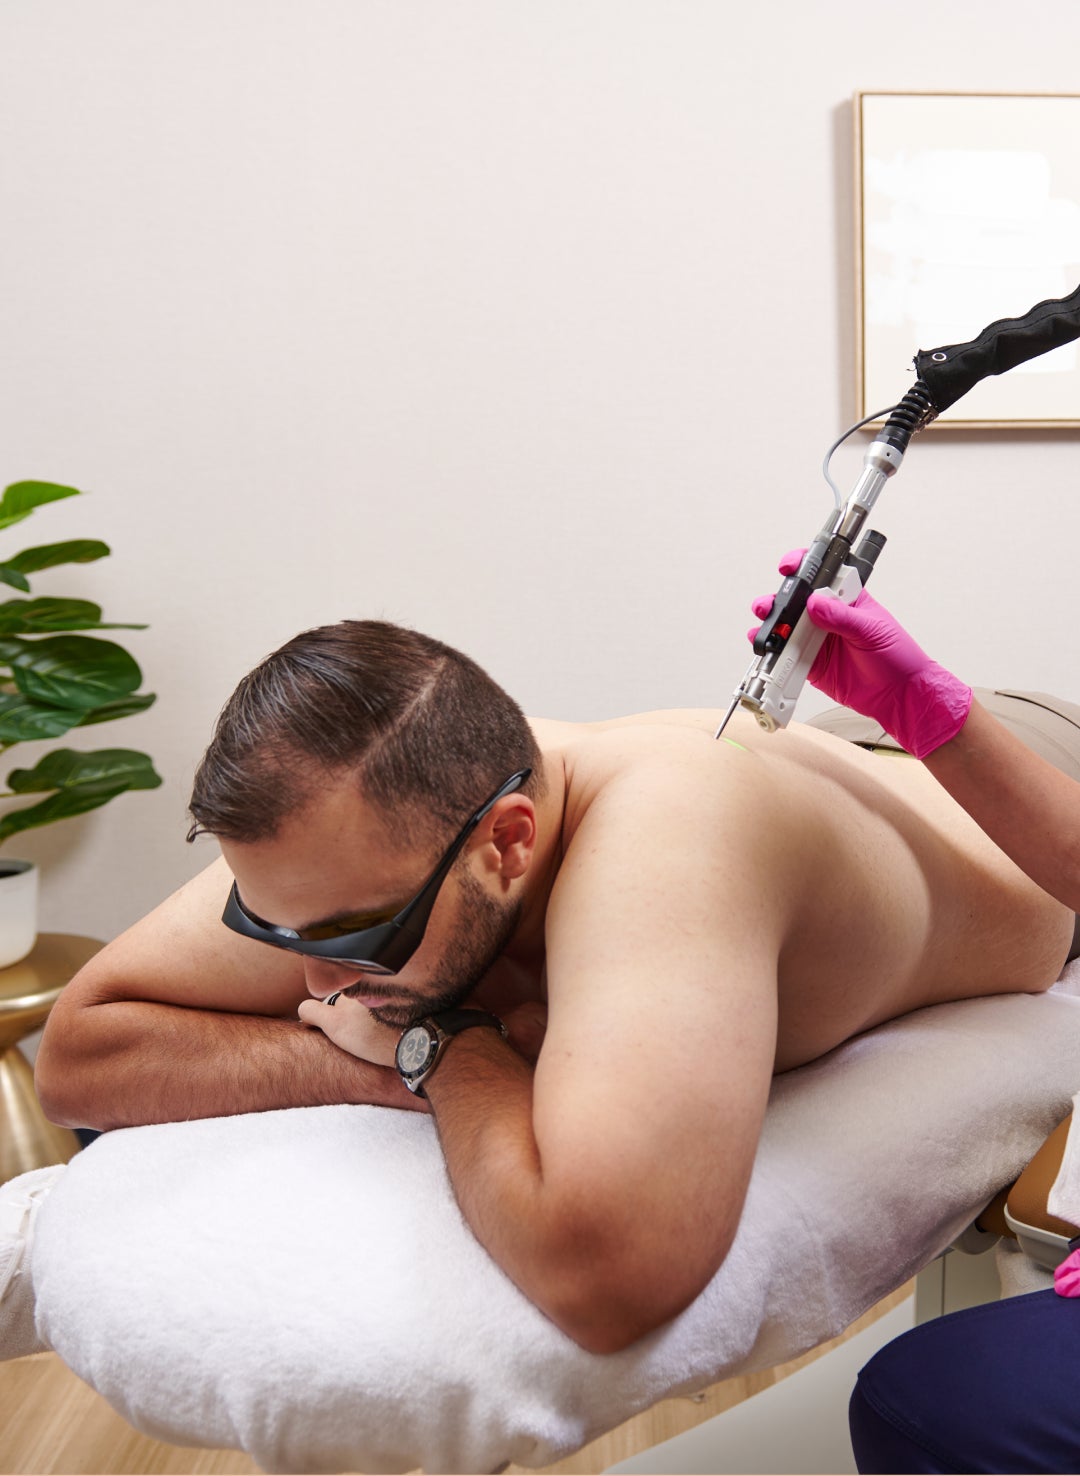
column 993, row 1388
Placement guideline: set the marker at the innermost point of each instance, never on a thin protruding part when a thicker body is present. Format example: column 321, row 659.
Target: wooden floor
column 51, row 1422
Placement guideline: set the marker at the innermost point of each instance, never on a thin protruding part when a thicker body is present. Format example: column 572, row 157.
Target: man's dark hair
column 427, row 734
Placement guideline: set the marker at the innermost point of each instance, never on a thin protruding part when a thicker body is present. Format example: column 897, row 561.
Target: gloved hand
column 871, row 664
column 1067, row 1276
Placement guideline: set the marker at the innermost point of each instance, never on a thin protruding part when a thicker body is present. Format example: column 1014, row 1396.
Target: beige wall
column 525, row 323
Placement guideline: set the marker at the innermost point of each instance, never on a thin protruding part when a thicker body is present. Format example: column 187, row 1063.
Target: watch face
column 414, row 1050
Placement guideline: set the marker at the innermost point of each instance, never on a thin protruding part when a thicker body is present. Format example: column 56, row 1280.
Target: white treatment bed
column 300, row 1284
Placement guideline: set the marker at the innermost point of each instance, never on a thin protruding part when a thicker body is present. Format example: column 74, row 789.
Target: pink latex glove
column 1067, row 1276
column 871, row 664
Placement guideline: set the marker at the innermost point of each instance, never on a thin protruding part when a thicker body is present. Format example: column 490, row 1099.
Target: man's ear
column 512, row 836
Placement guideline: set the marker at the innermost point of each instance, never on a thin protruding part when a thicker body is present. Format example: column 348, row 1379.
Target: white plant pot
column 18, row 910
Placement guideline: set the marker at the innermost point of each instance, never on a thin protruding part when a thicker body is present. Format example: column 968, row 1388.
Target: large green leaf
column 81, row 781
column 30, row 617
column 70, row 768
column 22, row 720
column 80, row 672
column 14, row 577
column 122, row 707
column 20, row 499
column 56, row 807
column 49, row 555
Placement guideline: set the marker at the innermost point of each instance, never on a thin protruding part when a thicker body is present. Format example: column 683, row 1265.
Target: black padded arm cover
column 998, row 348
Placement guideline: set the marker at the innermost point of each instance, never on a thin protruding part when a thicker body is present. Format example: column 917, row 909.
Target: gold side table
column 28, row 991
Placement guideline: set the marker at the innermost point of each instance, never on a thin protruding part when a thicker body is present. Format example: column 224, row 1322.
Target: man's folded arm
column 609, row 1183
column 124, row 1063
column 610, row 1204
column 606, row 1249
column 178, row 1019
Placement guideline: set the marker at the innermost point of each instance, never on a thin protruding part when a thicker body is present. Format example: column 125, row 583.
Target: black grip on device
column 865, row 556
column 819, row 565
column 950, row 371
column 817, row 569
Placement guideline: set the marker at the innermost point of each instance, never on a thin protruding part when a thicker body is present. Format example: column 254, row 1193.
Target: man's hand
column 352, row 1027
column 871, row 664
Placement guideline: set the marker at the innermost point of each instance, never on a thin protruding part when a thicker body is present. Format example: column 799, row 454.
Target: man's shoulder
column 622, row 745
column 620, row 770
column 663, row 821
column 652, row 774
column 617, row 745
column 615, row 750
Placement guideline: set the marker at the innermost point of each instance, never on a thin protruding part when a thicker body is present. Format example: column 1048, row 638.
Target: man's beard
column 484, row 928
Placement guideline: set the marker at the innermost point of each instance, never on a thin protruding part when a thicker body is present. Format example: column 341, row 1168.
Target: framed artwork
column 968, row 211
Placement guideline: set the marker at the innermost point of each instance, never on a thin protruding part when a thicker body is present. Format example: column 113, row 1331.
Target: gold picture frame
column 968, row 210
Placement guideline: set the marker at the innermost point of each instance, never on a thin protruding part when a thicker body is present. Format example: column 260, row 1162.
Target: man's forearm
column 122, row 1064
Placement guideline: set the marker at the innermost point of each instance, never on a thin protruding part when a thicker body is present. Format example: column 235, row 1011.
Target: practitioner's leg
column 989, row 1389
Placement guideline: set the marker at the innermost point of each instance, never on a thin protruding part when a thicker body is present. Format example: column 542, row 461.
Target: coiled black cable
column 914, row 411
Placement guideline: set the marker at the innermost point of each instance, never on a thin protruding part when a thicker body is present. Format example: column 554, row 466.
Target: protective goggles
column 383, row 947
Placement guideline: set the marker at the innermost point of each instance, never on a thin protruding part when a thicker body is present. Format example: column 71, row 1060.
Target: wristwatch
column 421, row 1046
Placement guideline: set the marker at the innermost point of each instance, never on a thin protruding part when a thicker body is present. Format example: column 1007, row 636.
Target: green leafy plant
column 52, row 680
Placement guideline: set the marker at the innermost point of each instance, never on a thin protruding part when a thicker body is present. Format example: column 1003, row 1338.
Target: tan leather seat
column 1020, row 1211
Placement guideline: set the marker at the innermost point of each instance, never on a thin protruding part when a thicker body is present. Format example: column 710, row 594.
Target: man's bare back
column 896, row 899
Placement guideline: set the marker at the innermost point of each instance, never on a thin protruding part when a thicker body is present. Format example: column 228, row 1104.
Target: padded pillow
column 301, row 1285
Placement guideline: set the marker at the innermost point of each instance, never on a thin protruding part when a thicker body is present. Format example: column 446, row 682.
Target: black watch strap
column 452, row 1022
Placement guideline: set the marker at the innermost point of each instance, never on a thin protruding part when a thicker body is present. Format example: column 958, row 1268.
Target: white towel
column 1064, row 1197
column 301, row 1285
column 20, row 1201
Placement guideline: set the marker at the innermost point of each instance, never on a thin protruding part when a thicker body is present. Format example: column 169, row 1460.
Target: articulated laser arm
column 842, row 556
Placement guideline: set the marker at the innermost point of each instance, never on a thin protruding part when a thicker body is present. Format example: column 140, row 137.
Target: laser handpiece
column 788, row 641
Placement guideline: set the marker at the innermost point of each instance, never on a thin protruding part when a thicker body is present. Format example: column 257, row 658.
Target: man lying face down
column 660, row 922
